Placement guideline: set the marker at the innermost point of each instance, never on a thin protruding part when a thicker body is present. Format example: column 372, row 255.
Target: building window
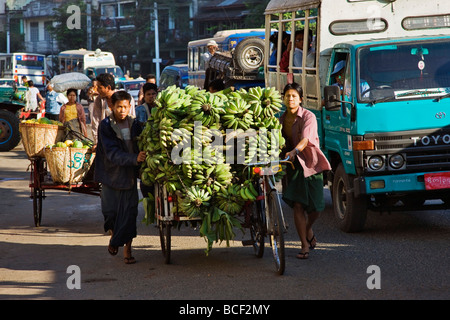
column 118, row 14
column 34, row 31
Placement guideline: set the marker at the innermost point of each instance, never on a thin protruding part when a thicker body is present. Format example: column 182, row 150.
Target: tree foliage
column 61, row 32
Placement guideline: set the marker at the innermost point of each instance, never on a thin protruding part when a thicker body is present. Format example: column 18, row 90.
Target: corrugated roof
column 275, row 6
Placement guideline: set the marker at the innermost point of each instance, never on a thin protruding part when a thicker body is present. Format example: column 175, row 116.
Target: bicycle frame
column 267, row 174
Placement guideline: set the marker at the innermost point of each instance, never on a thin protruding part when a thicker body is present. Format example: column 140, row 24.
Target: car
column 175, row 74
column 131, row 86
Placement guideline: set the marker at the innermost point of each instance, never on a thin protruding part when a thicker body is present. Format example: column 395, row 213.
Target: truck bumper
column 409, row 182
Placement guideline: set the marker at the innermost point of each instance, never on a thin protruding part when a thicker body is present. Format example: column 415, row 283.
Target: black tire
column 9, row 130
column 351, row 212
column 165, row 228
column 37, row 206
column 249, row 54
column 275, row 231
column 257, row 226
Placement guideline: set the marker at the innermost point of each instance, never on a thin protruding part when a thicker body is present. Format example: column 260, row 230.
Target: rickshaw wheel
column 165, row 237
column 37, row 206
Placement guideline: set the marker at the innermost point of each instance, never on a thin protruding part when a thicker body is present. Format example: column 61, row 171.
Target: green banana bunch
column 206, row 108
column 172, row 102
column 165, row 131
column 237, row 114
column 194, row 202
column 149, row 209
column 193, row 90
column 247, row 191
column 229, row 199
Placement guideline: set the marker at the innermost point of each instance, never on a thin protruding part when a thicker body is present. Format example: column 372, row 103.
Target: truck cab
column 380, row 91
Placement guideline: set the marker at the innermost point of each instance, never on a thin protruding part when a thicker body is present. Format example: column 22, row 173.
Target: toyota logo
column 440, row 115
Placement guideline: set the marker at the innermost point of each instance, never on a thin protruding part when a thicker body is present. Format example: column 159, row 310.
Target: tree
column 255, row 19
column 62, row 31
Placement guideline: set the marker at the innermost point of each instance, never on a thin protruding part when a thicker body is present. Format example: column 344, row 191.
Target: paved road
column 411, row 250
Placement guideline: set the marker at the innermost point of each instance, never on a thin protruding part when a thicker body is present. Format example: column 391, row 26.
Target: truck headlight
column 396, row 161
column 376, row 163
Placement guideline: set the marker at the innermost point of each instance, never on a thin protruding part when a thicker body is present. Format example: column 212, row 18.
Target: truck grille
column 423, row 149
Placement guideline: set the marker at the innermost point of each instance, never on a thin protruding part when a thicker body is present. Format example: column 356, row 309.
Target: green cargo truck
column 12, row 100
column 380, row 89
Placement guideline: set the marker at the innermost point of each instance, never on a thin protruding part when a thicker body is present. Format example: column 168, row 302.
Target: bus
column 91, row 63
column 251, row 53
column 19, row 64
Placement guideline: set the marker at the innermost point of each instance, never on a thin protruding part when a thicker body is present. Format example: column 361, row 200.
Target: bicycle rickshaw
column 40, row 179
column 263, row 217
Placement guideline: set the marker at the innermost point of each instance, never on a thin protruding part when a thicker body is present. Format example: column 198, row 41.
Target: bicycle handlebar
column 268, row 163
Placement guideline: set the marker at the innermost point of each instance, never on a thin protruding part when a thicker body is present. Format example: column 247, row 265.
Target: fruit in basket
column 68, row 143
column 77, row 144
column 61, row 145
column 44, row 120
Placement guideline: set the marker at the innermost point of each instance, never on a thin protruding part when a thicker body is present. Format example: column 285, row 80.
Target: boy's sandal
column 112, row 250
column 303, row 255
column 129, row 260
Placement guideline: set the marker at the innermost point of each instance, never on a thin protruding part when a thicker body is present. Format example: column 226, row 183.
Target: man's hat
column 338, row 67
column 212, row 43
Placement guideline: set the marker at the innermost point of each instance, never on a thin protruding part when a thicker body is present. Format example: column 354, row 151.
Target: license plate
column 440, row 180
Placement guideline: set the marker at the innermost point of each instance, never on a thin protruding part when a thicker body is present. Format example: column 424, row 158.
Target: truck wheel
column 249, row 54
column 351, row 212
column 9, row 131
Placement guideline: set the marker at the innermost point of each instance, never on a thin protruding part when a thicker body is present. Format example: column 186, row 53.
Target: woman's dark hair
column 72, row 90
column 119, row 96
column 30, row 83
column 294, row 86
column 149, row 86
column 106, row 79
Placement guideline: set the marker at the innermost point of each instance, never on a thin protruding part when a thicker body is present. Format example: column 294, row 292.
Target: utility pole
column 157, row 59
column 89, row 23
column 8, row 27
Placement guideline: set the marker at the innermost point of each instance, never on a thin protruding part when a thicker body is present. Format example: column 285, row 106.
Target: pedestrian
column 53, row 102
column 106, row 87
column 32, row 97
column 212, row 48
column 304, row 190
column 150, row 91
column 151, row 78
column 142, row 115
column 25, row 81
column 72, row 116
column 91, row 95
column 116, row 168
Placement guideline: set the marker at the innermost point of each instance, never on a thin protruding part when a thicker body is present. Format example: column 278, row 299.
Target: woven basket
column 35, row 136
column 68, row 165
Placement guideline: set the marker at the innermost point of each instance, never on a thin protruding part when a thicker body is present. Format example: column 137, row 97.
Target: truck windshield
column 404, row 71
